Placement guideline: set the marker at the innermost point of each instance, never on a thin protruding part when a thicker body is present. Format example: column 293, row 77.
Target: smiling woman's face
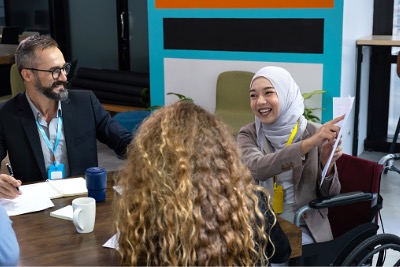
column 264, row 100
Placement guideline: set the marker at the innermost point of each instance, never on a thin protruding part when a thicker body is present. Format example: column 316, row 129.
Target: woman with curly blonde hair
column 187, row 199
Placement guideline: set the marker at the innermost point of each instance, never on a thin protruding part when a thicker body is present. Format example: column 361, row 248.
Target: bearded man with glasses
column 48, row 131
column 55, row 73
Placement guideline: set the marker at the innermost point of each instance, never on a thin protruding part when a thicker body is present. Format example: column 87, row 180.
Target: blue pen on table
column 10, row 170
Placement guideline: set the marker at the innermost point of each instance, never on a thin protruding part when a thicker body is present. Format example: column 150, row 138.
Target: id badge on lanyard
column 277, row 201
column 56, row 170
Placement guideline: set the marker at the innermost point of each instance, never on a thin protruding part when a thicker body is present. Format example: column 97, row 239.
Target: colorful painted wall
column 192, row 42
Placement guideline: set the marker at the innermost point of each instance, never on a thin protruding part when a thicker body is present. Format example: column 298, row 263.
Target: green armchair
column 232, row 100
column 16, row 83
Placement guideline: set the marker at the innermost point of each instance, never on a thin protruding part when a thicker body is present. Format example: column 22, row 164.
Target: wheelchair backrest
column 355, row 174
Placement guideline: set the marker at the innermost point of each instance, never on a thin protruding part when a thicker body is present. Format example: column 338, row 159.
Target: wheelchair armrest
column 340, row 200
column 336, row 200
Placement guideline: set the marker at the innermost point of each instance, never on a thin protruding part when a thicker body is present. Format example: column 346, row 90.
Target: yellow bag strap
column 290, row 140
column 292, row 135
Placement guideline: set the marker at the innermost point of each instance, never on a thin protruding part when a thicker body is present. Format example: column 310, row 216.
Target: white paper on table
column 26, row 202
column 118, row 189
column 341, row 105
column 112, row 242
column 65, row 213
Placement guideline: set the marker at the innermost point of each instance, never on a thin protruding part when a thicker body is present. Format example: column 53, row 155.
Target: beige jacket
column 306, row 174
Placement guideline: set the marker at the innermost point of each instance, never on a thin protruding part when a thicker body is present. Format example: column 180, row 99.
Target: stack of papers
column 36, row 197
column 25, row 203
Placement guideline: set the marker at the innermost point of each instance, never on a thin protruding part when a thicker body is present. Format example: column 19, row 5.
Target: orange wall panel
column 244, row 3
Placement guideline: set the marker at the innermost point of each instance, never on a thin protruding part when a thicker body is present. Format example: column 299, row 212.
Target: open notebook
column 58, row 188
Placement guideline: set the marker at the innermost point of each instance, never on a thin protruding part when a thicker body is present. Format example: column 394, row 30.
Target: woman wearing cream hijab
column 286, row 153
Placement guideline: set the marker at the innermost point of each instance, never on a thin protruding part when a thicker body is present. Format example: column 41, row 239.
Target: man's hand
column 9, row 186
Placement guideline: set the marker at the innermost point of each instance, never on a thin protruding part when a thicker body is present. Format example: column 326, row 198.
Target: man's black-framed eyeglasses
column 55, row 73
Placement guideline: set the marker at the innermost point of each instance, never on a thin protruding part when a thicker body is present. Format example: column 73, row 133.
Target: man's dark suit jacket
column 84, row 121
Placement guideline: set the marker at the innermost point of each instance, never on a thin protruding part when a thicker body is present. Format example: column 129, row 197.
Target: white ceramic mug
column 84, row 214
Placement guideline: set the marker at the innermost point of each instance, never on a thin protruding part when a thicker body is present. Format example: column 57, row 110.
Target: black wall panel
column 250, row 35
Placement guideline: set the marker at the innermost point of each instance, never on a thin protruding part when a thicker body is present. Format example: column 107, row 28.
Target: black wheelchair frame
column 361, row 246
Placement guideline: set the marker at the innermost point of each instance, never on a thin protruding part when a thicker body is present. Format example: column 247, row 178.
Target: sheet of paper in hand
column 341, row 105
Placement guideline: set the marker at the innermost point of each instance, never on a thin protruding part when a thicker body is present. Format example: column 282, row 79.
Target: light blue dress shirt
column 51, row 132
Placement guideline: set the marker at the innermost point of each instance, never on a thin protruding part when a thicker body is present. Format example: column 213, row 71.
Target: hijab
column 291, row 109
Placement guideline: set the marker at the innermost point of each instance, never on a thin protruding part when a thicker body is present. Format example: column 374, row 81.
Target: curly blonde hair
column 187, row 198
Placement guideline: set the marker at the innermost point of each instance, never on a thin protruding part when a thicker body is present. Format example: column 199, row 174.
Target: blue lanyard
column 46, row 139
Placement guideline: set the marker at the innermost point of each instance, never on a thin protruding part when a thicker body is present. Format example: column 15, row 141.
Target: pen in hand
column 10, row 170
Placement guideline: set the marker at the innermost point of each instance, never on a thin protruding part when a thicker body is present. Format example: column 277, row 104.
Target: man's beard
column 48, row 91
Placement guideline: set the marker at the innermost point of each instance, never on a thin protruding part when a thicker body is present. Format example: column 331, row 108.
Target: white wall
column 198, row 78
column 357, row 24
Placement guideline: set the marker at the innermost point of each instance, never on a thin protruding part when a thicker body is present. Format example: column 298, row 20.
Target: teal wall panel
column 330, row 59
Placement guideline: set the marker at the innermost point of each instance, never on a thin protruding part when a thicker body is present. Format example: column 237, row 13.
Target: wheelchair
column 354, row 215
column 388, row 163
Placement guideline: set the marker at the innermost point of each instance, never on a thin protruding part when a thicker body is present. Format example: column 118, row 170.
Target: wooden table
column 373, row 40
column 120, row 108
column 46, row 240
column 293, row 233
column 7, row 53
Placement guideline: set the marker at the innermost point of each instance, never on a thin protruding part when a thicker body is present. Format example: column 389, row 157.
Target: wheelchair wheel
column 376, row 245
